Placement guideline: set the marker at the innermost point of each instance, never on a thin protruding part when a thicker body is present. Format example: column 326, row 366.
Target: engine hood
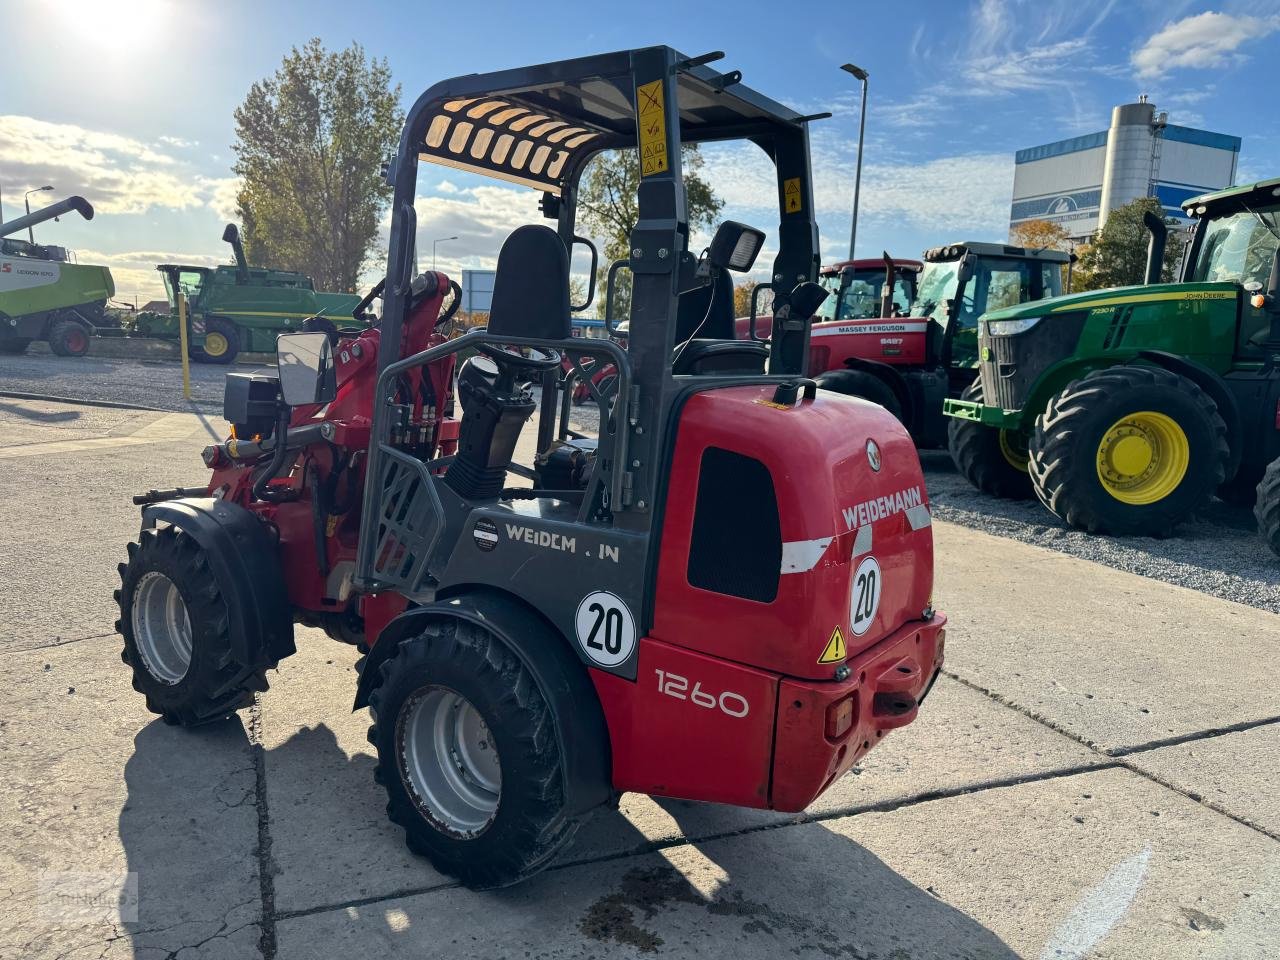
column 1104, row 299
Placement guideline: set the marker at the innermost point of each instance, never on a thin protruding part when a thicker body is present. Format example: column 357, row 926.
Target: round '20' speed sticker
column 866, row 595
column 606, row 631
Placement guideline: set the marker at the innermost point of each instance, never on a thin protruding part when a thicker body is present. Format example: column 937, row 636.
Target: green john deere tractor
column 43, row 295
column 242, row 308
column 1137, row 404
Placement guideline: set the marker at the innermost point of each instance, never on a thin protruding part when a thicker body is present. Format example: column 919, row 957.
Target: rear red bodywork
column 730, row 703
column 679, row 740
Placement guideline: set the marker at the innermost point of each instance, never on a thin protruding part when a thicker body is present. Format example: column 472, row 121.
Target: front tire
column 993, row 460
column 69, row 338
column 15, row 347
column 175, row 623
column 221, row 342
column 1129, row 450
column 858, row 383
column 1267, row 507
column 492, row 811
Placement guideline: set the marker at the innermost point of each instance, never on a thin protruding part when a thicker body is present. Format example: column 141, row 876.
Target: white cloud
column 222, row 196
column 1209, row 39
column 117, row 174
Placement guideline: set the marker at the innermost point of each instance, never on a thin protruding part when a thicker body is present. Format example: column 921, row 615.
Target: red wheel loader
column 724, row 596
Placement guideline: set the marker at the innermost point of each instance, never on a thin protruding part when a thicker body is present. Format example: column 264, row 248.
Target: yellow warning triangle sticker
column 835, row 650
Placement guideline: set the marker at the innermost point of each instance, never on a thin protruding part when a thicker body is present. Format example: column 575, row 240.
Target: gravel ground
column 156, row 384
column 1219, row 553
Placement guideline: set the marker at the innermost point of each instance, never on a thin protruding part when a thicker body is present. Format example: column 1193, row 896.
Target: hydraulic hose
column 260, row 491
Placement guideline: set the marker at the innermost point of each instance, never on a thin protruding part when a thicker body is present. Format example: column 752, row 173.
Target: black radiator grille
column 1011, row 365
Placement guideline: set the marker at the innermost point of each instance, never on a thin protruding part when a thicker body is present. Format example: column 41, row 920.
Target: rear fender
column 563, row 680
column 890, row 376
column 1212, row 384
column 245, row 559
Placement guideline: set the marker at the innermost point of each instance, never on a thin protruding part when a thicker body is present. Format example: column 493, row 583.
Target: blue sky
column 130, row 102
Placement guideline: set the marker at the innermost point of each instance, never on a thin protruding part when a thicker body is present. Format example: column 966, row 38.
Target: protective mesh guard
column 409, row 522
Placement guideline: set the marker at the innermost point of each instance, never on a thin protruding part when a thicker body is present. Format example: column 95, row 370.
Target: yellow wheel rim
column 215, row 344
column 1014, row 448
column 1143, row 457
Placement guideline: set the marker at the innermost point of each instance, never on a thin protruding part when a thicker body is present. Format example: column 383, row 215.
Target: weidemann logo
column 869, row 511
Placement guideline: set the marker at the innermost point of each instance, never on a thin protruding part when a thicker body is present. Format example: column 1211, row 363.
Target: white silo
column 1126, row 172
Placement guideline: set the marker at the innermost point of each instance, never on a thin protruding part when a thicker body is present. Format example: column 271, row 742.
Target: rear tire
column 69, row 338
column 488, row 827
column 993, row 460
column 1242, row 489
column 1267, row 508
column 859, row 383
column 1129, row 450
column 176, row 628
column 221, row 342
column 15, row 347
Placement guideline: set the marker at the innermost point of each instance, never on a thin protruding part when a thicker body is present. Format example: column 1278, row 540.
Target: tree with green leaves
column 1117, row 255
column 607, row 209
column 311, row 140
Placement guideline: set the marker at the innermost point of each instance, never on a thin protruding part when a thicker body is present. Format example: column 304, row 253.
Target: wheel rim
column 1013, row 446
column 449, row 761
column 1143, row 457
column 161, row 628
column 215, row 344
column 77, row 341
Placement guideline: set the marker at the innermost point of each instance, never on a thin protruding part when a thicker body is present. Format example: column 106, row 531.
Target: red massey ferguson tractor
column 724, row 596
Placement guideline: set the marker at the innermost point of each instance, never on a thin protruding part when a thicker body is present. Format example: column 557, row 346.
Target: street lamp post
column 433, row 250
column 862, row 75
column 31, row 234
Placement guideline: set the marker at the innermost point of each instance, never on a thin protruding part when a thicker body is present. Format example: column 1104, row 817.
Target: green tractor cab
column 235, row 308
column 1136, row 404
column 45, row 296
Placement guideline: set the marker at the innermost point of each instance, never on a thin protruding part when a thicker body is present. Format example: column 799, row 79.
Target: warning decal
column 791, row 194
column 651, row 125
column 835, row 651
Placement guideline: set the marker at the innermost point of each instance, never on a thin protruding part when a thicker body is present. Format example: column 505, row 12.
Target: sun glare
column 115, row 24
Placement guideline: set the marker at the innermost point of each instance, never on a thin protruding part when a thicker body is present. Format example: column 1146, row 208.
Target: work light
column 735, row 246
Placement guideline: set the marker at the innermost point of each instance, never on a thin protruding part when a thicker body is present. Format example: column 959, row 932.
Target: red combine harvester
column 724, row 596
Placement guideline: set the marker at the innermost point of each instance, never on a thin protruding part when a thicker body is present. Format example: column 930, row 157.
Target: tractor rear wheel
column 175, row 623
column 859, row 383
column 993, row 460
column 69, row 338
column 15, row 347
column 469, row 757
column 1267, row 508
column 1129, row 450
column 221, row 342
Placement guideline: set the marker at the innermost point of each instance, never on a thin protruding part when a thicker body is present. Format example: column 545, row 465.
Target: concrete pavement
column 1095, row 779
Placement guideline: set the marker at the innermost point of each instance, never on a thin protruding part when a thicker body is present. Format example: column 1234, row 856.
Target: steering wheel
column 520, row 358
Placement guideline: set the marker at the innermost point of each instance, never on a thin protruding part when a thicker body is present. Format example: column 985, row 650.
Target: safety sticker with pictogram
column 791, row 194
column 835, row 651
column 651, row 125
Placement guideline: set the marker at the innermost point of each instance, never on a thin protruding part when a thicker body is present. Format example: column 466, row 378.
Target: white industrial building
column 1076, row 182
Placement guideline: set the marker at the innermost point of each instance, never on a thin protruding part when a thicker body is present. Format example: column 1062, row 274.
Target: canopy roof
column 538, row 125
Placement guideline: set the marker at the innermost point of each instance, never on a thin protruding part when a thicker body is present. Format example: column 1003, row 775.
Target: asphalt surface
column 1093, row 777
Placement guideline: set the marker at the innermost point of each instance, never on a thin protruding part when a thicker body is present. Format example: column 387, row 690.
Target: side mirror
column 307, row 374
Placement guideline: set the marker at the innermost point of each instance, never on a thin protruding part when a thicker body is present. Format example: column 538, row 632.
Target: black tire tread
column 1267, row 506
column 57, row 337
column 541, row 828
column 223, row 685
column 228, row 329
column 975, row 450
column 1051, row 445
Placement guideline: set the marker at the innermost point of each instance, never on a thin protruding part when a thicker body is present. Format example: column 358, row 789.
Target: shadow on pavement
column 190, row 831
column 40, row 416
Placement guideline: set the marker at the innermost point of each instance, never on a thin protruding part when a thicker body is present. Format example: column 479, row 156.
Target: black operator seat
column 530, row 299
column 715, row 348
